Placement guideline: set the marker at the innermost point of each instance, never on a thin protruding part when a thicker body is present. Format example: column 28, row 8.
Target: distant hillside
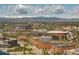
column 38, row 19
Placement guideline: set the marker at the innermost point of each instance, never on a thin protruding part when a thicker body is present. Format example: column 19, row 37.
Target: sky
column 37, row 10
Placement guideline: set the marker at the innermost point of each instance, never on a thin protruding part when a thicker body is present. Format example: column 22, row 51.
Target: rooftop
column 62, row 44
column 64, row 32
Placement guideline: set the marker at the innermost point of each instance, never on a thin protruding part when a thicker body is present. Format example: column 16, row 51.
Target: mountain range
column 38, row 19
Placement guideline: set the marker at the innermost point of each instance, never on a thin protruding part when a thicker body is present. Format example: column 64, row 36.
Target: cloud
column 30, row 10
column 54, row 9
column 33, row 10
column 22, row 9
column 6, row 10
column 74, row 11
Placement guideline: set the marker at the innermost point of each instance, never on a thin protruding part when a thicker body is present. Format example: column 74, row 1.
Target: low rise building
column 39, row 31
column 10, row 43
column 72, row 51
column 59, row 35
column 45, row 38
column 60, row 47
column 22, row 27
